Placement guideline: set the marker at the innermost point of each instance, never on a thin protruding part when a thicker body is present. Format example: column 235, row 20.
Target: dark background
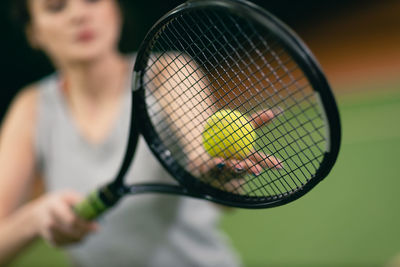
column 20, row 65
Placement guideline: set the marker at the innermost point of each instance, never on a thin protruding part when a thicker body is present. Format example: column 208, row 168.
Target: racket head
column 172, row 38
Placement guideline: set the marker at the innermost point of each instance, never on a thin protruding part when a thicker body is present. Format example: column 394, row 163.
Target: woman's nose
column 79, row 11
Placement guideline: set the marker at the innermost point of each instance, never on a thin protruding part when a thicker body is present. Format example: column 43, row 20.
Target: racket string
column 289, row 132
column 227, row 86
column 216, row 78
column 167, row 92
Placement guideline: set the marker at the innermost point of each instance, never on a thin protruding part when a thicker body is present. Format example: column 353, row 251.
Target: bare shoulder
column 22, row 112
column 26, row 99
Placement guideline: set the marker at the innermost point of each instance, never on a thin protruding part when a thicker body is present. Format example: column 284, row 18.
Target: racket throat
column 158, row 188
column 111, row 194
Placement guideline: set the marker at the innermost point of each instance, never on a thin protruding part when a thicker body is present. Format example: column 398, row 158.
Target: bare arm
column 16, row 172
column 181, row 90
column 50, row 216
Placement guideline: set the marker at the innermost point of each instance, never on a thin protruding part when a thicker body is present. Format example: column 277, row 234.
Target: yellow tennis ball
column 228, row 134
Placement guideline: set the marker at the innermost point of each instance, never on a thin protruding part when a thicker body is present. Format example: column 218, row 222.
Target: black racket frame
column 189, row 185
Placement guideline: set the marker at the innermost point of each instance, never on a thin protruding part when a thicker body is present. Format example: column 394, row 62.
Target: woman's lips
column 85, row 36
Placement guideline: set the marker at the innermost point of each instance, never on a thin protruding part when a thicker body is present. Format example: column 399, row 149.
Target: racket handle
column 91, row 207
column 97, row 202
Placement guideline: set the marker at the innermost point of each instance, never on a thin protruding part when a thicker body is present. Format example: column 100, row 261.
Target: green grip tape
column 90, row 208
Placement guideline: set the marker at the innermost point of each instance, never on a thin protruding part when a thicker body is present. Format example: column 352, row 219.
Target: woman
column 72, row 128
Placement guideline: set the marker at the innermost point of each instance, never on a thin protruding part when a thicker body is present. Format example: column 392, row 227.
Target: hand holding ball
column 228, row 134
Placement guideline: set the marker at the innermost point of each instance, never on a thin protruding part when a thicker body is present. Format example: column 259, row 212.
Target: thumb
column 72, row 197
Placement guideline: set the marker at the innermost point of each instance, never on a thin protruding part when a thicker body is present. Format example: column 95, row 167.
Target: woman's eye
column 55, row 5
column 92, row 1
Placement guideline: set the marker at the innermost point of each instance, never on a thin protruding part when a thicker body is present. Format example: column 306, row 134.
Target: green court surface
column 352, row 218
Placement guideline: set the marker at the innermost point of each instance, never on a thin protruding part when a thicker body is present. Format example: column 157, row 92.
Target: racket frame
column 107, row 196
column 302, row 56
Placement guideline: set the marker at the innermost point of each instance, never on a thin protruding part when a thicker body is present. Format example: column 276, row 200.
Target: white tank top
column 143, row 230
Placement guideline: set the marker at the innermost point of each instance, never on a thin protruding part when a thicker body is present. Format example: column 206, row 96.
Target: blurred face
column 74, row 30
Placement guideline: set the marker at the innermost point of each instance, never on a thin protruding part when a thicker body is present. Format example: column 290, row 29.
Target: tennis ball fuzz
column 228, row 134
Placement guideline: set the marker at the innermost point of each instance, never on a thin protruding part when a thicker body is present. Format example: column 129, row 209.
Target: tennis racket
column 233, row 105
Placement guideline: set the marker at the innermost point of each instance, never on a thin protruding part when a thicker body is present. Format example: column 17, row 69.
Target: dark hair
column 20, row 13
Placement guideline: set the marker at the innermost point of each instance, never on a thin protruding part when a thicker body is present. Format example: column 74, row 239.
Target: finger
column 62, row 236
column 234, row 185
column 56, row 237
column 64, row 215
column 241, row 166
column 216, row 165
column 259, row 118
column 266, row 161
column 69, row 223
column 235, row 165
column 246, row 165
column 253, row 167
column 223, row 171
column 59, row 238
column 219, row 163
column 72, row 197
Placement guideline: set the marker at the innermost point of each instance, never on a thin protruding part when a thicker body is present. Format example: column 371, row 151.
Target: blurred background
column 350, row 219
